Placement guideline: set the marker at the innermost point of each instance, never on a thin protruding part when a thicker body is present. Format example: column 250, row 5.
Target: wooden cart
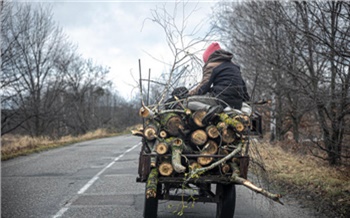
column 224, row 196
column 212, row 186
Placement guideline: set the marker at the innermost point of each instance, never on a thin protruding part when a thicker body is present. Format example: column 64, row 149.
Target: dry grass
column 308, row 177
column 16, row 145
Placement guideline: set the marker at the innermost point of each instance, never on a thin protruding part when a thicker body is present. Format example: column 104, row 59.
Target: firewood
column 211, row 147
column 243, row 119
column 221, row 125
column 195, row 173
column 188, row 112
column 163, row 134
column 177, row 148
column 162, row 148
column 165, row 169
column 145, row 112
column 137, row 133
column 228, row 135
column 223, row 151
column 231, row 122
column 236, row 179
column 193, row 165
column 204, row 160
column 212, row 131
column 178, row 142
column 151, row 131
column 151, row 185
column 199, row 137
column 225, row 168
column 172, row 123
column 198, row 116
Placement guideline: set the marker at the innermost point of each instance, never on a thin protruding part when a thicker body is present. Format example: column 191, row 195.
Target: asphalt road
column 98, row 179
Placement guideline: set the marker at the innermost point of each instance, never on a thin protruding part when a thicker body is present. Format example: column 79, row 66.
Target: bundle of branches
column 182, row 144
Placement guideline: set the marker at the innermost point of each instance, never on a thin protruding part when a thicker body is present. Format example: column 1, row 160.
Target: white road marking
column 93, row 180
column 61, row 212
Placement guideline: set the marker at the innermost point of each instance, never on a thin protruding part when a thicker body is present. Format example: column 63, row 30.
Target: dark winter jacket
column 223, row 79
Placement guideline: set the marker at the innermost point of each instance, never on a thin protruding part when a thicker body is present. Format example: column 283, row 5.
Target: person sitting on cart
column 221, row 79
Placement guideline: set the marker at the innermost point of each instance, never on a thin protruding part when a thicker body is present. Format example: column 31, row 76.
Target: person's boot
column 212, row 111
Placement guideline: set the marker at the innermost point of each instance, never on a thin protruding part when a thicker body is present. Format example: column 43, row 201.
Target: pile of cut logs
column 174, row 135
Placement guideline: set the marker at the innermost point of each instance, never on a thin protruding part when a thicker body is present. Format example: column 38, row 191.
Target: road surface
column 97, row 178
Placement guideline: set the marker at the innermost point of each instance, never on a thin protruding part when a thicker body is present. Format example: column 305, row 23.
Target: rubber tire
column 225, row 208
column 150, row 208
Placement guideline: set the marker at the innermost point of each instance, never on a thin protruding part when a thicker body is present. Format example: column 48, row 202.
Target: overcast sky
column 117, row 34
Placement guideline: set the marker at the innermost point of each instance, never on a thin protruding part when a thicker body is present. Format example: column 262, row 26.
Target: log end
column 199, row 137
column 198, row 117
column 163, row 134
column 165, row 169
column 212, row 131
column 204, row 160
column 161, row 148
column 211, row 147
column 228, row 135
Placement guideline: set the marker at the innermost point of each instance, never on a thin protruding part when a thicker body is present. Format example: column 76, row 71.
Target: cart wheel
column 225, row 208
column 150, row 207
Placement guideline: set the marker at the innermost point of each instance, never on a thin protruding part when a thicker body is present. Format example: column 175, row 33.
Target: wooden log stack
column 184, row 145
column 173, row 134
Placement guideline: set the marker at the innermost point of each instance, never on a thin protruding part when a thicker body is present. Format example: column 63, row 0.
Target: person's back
column 226, row 80
column 222, row 78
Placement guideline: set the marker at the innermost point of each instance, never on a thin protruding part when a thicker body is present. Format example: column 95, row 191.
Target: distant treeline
column 47, row 88
column 296, row 53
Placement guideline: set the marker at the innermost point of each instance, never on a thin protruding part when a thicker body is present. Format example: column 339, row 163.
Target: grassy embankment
column 298, row 174
column 309, row 178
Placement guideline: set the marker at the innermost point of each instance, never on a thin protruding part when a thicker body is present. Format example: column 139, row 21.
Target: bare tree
column 47, row 89
column 86, row 84
column 184, row 42
column 297, row 52
column 324, row 25
column 31, row 45
column 254, row 32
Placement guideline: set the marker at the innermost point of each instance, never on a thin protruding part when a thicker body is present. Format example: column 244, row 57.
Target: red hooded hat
column 211, row 48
